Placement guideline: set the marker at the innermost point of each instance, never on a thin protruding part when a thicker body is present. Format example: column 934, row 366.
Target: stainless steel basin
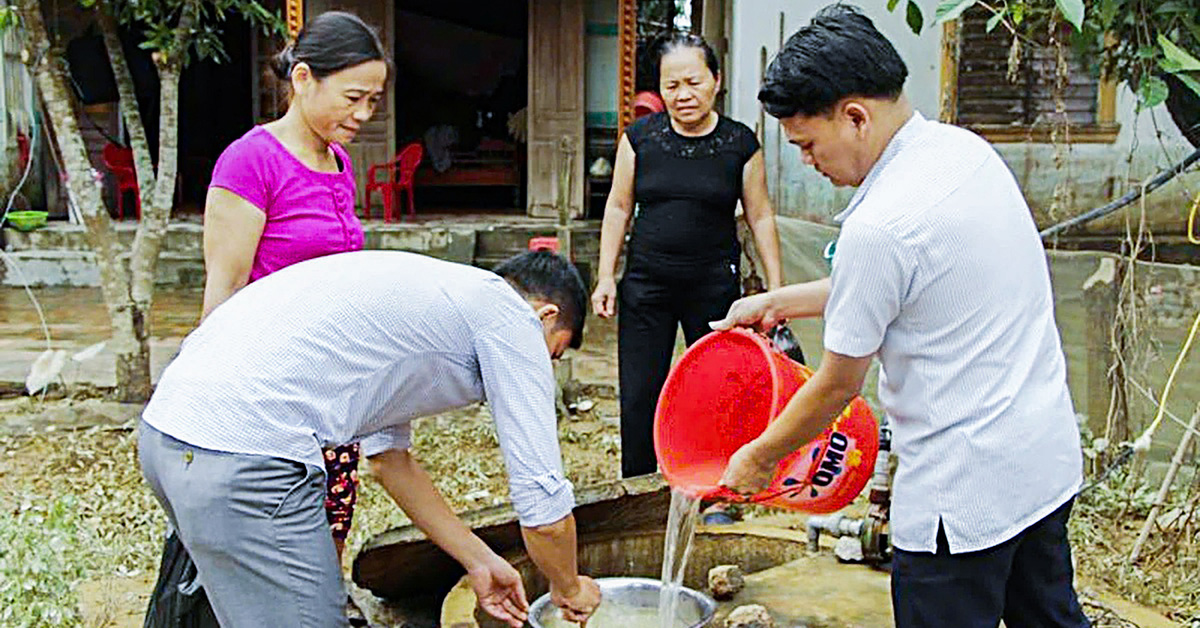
column 695, row 609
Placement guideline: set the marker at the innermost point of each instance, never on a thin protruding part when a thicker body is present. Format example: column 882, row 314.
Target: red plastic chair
column 543, row 243
column 119, row 161
column 400, row 172
column 646, row 103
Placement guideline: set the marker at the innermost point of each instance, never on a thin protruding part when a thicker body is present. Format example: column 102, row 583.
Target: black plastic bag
column 178, row 600
column 781, row 336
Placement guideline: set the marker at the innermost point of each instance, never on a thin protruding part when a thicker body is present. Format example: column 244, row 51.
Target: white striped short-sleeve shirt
column 940, row 271
column 352, row 347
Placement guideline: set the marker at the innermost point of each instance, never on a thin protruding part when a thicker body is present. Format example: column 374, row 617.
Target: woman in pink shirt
column 284, row 192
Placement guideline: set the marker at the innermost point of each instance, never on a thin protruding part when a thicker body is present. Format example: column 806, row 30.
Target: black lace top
column 686, row 190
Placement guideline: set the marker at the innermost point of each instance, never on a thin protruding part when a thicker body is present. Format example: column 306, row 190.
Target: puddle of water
column 677, row 545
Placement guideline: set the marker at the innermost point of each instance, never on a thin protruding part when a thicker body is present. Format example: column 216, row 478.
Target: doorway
column 461, row 90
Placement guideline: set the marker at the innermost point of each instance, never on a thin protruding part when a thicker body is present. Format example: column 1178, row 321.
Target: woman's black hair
column 329, row 43
column 665, row 43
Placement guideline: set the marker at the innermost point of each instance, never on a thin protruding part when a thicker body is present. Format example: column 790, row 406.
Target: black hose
column 1124, row 456
column 1153, row 184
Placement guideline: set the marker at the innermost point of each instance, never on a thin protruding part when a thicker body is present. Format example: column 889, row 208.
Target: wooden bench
column 493, row 163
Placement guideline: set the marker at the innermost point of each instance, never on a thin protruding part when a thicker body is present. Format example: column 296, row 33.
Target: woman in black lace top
column 678, row 178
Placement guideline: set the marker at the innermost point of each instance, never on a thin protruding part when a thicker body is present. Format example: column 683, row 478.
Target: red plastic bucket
column 723, row 393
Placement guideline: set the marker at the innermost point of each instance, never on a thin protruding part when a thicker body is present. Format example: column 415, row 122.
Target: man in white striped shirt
column 940, row 273
column 353, row 347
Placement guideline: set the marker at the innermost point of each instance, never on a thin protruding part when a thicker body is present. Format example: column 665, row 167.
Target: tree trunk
column 157, row 214
column 143, row 164
column 133, row 357
column 133, row 368
column 84, row 191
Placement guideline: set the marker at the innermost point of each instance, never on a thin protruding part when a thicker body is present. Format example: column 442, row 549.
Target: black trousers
column 1027, row 581
column 654, row 300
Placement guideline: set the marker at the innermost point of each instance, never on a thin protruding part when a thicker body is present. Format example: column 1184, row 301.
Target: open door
column 376, row 141
column 556, row 103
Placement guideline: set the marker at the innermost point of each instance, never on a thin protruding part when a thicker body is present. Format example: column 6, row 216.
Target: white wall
column 1098, row 172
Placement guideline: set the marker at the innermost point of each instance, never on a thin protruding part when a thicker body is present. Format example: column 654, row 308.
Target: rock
column 848, row 549
column 725, row 581
column 749, row 616
column 477, row 495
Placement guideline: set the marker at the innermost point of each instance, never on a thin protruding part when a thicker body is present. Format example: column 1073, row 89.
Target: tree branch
column 156, row 217
column 129, row 105
column 84, row 189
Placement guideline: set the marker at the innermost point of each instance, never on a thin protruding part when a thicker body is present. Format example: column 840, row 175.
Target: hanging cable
column 1191, row 230
column 1142, row 190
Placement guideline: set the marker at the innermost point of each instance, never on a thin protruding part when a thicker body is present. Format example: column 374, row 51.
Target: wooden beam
column 948, row 86
column 1106, row 93
column 1044, row 133
column 626, row 63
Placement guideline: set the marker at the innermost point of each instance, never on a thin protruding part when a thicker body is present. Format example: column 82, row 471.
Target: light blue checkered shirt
column 353, row 347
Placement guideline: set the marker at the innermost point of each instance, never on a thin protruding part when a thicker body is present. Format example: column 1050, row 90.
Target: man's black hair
column 838, row 55
column 550, row 277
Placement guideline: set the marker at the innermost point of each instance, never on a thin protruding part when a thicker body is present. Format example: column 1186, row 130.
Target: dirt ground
column 85, row 448
column 121, row 525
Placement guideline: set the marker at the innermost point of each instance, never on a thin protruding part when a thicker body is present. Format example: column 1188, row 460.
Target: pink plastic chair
column 400, row 173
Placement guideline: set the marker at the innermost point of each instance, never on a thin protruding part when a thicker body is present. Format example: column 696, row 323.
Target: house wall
column 601, row 63
column 1098, row 172
column 18, row 98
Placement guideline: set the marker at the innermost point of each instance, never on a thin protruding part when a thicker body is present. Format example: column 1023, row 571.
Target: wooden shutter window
column 1024, row 110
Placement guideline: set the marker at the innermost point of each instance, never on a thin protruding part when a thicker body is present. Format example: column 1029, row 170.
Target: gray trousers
column 256, row 528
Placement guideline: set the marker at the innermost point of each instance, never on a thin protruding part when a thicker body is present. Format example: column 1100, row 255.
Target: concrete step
column 182, row 237
column 66, row 268
column 60, row 254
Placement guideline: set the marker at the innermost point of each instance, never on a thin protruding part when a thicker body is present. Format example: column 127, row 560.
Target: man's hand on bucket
column 500, row 592
column 580, row 605
column 748, row 471
column 757, row 311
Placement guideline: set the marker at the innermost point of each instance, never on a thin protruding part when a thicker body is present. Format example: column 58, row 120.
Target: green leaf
column 1178, row 57
column 914, row 18
column 1073, row 11
column 1167, row 8
column 1108, row 12
column 951, row 9
column 1152, row 92
column 892, row 4
column 1018, row 13
column 995, row 21
column 1148, row 52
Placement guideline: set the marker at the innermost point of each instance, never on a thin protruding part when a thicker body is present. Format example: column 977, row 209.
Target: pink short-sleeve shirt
column 309, row 213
